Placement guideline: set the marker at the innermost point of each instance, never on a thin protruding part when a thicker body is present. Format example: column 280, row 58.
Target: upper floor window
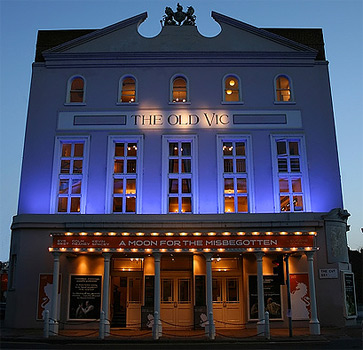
column 179, row 89
column 124, row 174
column 290, row 178
column 76, row 90
column 283, row 89
column 231, row 89
column 70, row 170
column 128, row 90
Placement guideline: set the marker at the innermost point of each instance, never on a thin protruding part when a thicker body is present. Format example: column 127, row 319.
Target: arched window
column 128, row 90
column 76, row 89
column 283, row 89
column 179, row 90
column 231, row 90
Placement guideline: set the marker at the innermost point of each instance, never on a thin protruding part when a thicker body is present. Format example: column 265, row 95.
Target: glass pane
column 173, row 205
column 241, row 185
column 128, row 90
column 186, row 205
column 200, row 295
column 130, row 186
column 173, row 186
column 135, row 290
column 167, row 293
column 294, row 148
column 63, row 186
column 242, row 204
column 131, row 166
column 117, row 204
column 240, row 165
column 296, row 185
column 66, row 149
column 173, row 149
column 186, row 149
column 186, row 186
column 173, row 166
column 232, row 290
column 281, row 148
column 229, row 204
column 77, row 167
column 132, row 150
column 118, row 166
column 75, row 204
column 228, row 185
column 240, row 149
column 228, row 165
column 76, row 96
column 186, row 166
column 179, row 90
column 231, row 95
column 217, row 290
column 149, row 290
column 295, row 164
column 65, row 165
column 78, row 149
column 282, row 164
column 77, row 84
column 184, row 291
column 76, row 186
column 118, row 186
column 298, row 203
column 62, row 204
column 130, row 204
column 285, row 203
column 227, row 148
column 284, row 185
column 119, row 150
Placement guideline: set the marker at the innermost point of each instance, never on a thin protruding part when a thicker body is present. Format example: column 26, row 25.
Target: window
column 283, row 89
column 71, row 168
column 231, row 89
column 127, row 90
column 179, row 174
column 291, row 188
column 124, row 169
column 76, row 90
column 179, row 90
column 234, row 174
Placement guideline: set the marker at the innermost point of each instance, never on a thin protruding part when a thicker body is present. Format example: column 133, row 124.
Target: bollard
column 102, row 325
column 156, row 326
column 46, row 324
column 267, row 325
column 211, row 329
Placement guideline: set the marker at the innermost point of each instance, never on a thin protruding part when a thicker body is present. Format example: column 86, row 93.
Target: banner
column 300, row 296
column 45, row 293
column 349, row 295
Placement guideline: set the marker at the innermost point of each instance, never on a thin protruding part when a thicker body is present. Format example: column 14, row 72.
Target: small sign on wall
column 328, row 273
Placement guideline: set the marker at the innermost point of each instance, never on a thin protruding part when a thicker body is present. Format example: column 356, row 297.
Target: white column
column 53, row 323
column 157, row 323
column 261, row 301
column 211, row 329
column 106, row 291
column 314, row 322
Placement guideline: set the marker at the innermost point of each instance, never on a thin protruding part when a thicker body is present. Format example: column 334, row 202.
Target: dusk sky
column 341, row 21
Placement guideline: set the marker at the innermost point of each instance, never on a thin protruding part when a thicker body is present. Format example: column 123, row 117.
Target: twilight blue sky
column 341, row 21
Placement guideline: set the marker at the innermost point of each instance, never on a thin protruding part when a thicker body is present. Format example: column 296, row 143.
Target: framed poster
column 85, row 297
column 272, row 297
column 45, row 294
column 349, row 295
column 300, row 296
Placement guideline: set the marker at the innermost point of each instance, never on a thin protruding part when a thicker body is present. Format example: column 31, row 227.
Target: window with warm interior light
column 283, row 91
column 231, row 89
column 76, row 90
column 179, row 90
column 128, row 90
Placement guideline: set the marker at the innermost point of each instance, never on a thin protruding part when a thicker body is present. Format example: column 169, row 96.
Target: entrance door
column 227, row 311
column 176, row 302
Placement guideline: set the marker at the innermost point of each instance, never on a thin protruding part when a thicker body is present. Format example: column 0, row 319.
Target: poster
column 85, row 297
column 349, row 295
column 300, row 296
column 45, row 291
column 272, row 296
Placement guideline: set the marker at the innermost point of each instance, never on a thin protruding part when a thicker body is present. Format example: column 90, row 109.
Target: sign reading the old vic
column 237, row 242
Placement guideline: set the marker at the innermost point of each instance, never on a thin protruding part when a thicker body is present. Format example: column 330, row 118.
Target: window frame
column 303, row 174
column 221, row 138
column 59, row 140
column 171, row 90
column 69, row 86
column 119, row 93
column 240, row 100
column 292, row 96
column 166, row 139
column 112, row 140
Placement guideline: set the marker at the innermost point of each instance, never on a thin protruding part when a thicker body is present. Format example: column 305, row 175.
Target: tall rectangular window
column 234, row 174
column 179, row 174
column 124, row 169
column 291, row 189
column 70, row 174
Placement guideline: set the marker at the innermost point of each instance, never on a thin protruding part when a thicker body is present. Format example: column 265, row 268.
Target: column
column 261, row 301
column 314, row 322
column 53, row 322
column 157, row 323
column 211, row 329
column 106, row 291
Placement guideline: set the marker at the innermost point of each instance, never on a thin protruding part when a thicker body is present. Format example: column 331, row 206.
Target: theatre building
column 180, row 181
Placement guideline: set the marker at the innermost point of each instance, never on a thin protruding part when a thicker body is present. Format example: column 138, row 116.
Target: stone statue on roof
column 179, row 17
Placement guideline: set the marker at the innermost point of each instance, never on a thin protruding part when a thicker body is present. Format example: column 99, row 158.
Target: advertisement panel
column 300, row 296
column 45, row 294
column 349, row 295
